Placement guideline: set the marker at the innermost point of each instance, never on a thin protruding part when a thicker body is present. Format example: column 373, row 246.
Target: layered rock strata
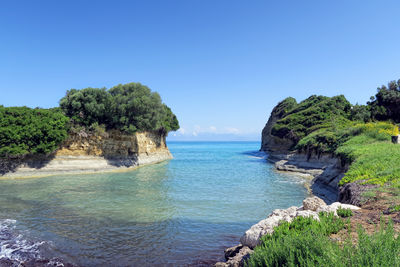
column 87, row 153
column 237, row 255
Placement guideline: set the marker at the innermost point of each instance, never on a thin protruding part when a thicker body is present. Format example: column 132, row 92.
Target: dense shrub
column 26, row 131
column 284, row 107
column 306, row 242
column 303, row 242
column 360, row 113
column 311, row 114
column 129, row 107
column 386, row 103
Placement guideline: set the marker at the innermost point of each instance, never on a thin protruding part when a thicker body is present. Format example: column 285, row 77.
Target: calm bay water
column 181, row 212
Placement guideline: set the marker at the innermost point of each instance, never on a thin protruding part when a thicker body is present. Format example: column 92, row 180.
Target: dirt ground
column 381, row 206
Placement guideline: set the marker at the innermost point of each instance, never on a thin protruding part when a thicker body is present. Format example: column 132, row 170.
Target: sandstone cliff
column 86, row 153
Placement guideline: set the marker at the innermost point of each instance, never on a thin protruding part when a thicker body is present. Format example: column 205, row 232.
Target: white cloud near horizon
column 210, row 130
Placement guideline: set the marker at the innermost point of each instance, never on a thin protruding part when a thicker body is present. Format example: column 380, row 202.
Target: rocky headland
column 86, row 152
column 323, row 170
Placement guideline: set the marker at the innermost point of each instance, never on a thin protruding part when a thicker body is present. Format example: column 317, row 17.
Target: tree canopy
column 386, row 103
column 127, row 107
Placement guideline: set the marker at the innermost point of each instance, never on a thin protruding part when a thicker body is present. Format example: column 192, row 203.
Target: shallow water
column 181, row 212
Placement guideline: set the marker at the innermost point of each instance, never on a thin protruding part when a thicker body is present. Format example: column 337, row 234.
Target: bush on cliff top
column 284, row 107
column 129, row 107
column 26, row 131
column 314, row 113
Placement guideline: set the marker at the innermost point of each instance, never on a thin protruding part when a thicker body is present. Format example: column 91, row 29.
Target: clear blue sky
column 220, row 65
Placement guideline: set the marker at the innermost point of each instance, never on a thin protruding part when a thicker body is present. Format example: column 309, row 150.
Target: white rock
column 251, row 237
column 335, row 206
column 313, row 203
column 308, row 213
column 344, row 206
column 311, row 207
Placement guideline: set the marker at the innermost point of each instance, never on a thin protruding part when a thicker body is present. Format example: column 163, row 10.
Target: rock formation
column 86, row 153
column 237, row 255
column 268, row 141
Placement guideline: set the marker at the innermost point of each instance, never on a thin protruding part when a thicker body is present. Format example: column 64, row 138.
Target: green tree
column 360, row 113
column 87, row 106
column 386, row 103
column 127, row 107
column 134, row 107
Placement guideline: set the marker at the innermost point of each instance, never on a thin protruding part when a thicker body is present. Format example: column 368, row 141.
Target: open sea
column 183, row 212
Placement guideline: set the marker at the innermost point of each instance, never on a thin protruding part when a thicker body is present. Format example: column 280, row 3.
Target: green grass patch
column 394, row 208
column 374, row 159
column 344, row 213
column 306, row 242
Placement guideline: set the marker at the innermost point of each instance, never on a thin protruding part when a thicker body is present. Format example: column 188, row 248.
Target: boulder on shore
column 237, row 255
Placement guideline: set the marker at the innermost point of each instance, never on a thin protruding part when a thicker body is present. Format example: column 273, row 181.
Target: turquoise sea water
column 181, row 212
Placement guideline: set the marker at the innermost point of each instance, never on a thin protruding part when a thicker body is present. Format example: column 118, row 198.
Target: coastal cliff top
column 126, row 108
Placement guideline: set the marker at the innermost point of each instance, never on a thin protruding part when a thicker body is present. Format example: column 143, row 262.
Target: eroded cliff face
column 273, row 143
column 113, row 144
column 86, row 153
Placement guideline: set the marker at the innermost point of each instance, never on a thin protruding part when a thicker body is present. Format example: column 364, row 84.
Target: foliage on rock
column 314, row 113
column 127, row 107
column 25, row 131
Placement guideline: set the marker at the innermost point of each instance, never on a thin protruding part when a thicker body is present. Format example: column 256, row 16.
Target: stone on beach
column 311, row 207
column 313, row 203
column 335, row 206
column 252, row 237
column 236, row 255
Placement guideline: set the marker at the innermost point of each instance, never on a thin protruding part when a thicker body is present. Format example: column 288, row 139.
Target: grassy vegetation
column 360, row 136
column 327, row 125
column 374, row 159
column 344, row 213
column 306, row 242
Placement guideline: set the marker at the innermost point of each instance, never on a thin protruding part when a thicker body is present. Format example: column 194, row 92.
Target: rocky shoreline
column 237, row 255
column 61, row 165
column 91, row 153
column 325, row 172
